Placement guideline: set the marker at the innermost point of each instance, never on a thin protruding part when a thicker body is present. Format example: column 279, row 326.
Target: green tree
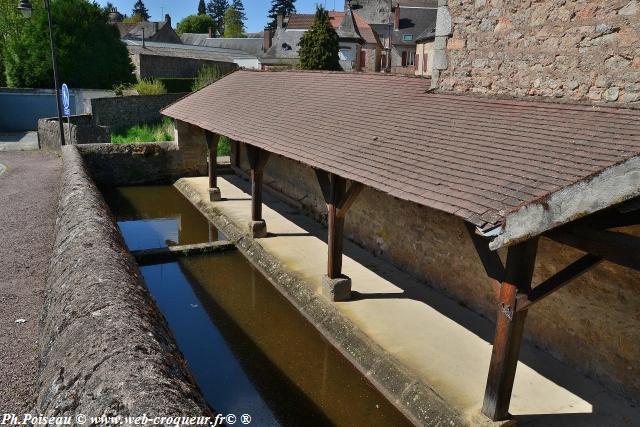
column 141, row 10
column 202, row 8
column 216, row 10
column 195, row 24
column 89, row 52
column 233, row 26
column 133, row 19
column 280, row 7
column 319, row 45
column 239, row 7
column 10, row 24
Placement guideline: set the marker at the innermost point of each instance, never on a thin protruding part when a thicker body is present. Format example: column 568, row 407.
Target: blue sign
column 65, row 100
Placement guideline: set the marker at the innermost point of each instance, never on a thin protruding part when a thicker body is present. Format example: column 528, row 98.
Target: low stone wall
column 123, row 111
column 134, row 164
column 80, row 131
column 592, row 323
column 105, row 348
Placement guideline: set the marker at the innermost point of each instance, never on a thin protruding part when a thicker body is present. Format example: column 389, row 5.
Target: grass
column 159, row 132
column 154, row 132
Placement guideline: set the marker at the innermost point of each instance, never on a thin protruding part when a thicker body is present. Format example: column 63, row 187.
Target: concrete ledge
column 415, row 399
column 119, row 164
column 160, row 255
column 105, row 348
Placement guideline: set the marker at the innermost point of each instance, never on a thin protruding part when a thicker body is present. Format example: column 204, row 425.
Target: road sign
column 65, row 100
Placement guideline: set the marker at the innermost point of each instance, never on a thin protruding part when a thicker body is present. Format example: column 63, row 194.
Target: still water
column 249, row 349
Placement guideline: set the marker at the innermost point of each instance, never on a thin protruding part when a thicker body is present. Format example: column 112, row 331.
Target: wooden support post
column 509, row 327
column 336, row 286
column 257, row 161
column 212, row 144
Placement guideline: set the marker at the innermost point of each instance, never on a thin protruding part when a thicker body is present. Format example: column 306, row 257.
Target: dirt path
column 28, row 199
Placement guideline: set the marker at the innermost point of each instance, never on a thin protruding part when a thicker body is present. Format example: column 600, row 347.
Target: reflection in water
column 249, row 349
column 252, row 352
column 158, row 216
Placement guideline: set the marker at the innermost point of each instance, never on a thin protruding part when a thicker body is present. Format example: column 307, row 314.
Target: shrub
column 224, row 146
column 149, row 87
column 206, row 76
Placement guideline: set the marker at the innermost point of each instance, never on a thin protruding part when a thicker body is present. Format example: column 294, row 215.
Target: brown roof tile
column 477, row 158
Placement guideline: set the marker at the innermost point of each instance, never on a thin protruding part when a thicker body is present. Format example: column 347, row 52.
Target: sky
column 256, row 9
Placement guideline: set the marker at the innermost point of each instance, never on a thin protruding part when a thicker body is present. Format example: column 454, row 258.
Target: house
column 252, row 43
column 155, row 59
column 400, row 33
column 360, row 49
column 161, row 32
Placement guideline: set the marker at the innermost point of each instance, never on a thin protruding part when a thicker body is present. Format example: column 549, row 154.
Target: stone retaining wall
column 575, row 49
column 123, row 111
column 81, row 131
column 105, row 348
column 141, row 163
column 592, row 323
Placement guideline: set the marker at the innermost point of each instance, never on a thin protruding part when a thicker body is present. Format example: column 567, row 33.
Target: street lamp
column 25, row 8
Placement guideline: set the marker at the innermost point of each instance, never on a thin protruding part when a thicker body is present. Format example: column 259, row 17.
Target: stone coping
column 105, row 347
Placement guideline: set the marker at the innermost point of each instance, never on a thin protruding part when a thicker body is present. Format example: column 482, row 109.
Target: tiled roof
column 302, row 21
column 477, row 158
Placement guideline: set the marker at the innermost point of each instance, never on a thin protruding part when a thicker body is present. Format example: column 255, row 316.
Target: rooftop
column 511, row 168
column 186, row 51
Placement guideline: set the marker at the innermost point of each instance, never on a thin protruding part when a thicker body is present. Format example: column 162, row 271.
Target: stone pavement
column 445, row 344
column 19, row 141
column 28, row 200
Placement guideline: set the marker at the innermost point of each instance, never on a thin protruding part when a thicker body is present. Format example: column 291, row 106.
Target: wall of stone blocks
column 150, row 66
column 571, row 49
column 80, row 131
column 591, row 324
column 123, row 111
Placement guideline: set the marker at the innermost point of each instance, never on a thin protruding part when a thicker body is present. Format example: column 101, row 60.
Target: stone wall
column 123, row 111
column 147, row 163
column 105, row 348
column 591, row 324
column 150, row 66
column 572, row 49
column 80, row 131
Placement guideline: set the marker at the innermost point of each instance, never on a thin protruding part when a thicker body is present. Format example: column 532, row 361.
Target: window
column 404, row 58
column 407, row 37
column 408, row 58
column 425, row 63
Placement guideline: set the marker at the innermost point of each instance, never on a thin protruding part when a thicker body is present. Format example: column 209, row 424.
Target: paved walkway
column 19, row 141
column 28, row 200
column 445, row 344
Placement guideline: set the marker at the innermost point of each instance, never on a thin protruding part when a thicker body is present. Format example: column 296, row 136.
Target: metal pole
column 55, row 73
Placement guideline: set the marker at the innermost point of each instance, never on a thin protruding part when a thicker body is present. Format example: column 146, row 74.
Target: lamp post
column 25, row 8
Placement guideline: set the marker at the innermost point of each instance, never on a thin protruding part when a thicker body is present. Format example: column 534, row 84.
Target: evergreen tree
column 202, row 8
column 239, row 7
column 233, row 26
column 319, row 45
column 140, row 9
column 216, row 10
column 282, row 7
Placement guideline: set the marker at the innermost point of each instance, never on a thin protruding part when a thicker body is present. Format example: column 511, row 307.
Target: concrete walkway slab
column 19, row 141
column 446, row 345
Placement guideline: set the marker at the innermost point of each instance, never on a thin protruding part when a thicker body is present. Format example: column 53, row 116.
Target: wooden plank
column 618, row 248
column 337, row 186
column 558, row 280
column 212, row 145
column 348, row 199
column 509, row 328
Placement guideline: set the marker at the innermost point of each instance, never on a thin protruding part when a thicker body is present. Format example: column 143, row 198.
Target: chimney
column 267, row 39
column 155, row 26
column 167, row 19
column 396, row 21
column 210, row 32
column 279, row 20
